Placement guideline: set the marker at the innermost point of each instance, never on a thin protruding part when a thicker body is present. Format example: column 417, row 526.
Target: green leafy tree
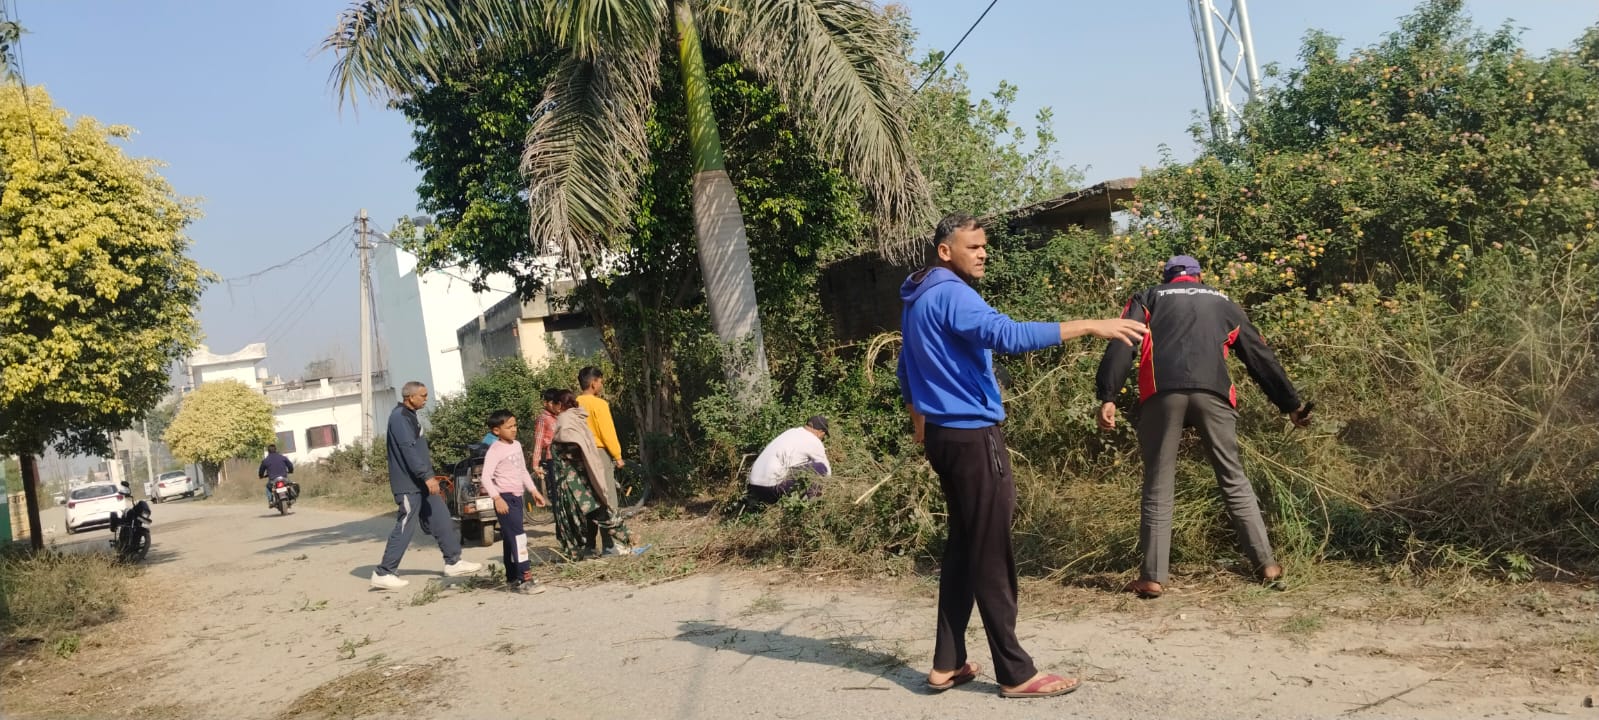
column 836, row 63
column 98, row 296
column 799, row 212
column 220, row 421
column 1401, row 161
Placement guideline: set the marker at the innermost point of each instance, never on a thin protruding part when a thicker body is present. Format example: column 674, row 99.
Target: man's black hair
column 498, row 418
column 951, row 224
column 552, row 395
column 587, row 376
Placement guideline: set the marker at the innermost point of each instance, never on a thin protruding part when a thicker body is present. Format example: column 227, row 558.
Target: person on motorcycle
column 274, row 467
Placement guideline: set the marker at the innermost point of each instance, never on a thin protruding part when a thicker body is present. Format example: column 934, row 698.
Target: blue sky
column 233, row 97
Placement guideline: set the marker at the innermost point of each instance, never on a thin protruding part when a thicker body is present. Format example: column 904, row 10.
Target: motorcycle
column 283, row 494
column 130, row 533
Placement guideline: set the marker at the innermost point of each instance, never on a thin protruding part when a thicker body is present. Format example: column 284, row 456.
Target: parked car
column 174, row 484
column 91, row 505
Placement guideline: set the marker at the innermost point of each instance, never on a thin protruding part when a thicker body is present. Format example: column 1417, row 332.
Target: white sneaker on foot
column 461, row 567
column 388, row 582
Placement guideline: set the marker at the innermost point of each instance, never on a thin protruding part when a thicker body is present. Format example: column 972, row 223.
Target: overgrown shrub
column 509, row 384
column 50, row 595
column 1413, row 227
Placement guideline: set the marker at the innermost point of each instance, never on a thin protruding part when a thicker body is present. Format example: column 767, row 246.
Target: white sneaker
column 461, row 567
column 388, row 582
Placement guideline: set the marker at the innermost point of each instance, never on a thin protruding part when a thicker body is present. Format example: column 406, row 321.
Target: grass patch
column 765, row 604
column 51, row 596
column 1303, row 625
column 349, row 646
column 428, row 594
column 378, row 691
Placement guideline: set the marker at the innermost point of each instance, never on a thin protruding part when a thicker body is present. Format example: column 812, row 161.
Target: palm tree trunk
column 724, row 251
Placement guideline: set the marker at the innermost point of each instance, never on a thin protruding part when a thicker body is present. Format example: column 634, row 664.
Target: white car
column 174, row 484
column 91, row 505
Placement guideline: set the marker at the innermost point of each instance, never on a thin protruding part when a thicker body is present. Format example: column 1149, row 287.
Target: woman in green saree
column 586, row 515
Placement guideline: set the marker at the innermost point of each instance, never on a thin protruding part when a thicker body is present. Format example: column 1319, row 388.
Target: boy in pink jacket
column 505, row 476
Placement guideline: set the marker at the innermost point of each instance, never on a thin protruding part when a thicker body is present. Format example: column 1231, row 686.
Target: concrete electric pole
column 365, row 248
column 1226, row 60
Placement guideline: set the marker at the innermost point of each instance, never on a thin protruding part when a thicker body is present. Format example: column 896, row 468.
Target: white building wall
column 418, row 317
column 341, row 410
column 206, row 366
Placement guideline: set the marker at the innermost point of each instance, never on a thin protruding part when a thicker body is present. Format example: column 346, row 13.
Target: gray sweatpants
column 433, row 515
column 1160, row 429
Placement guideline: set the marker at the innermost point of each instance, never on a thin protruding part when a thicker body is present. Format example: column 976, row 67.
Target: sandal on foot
column 1145, row 589
column 1035, row 689
column 966, row 674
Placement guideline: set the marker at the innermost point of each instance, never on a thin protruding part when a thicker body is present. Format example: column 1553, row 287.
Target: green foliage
column 1399, row 162
column 98, row 298
column 469, row 129
column 508, row 384
column 220, row 421
column 1413, row 232
column 351, row 458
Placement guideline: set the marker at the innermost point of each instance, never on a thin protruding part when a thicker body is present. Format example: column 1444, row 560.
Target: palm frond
column 588, row 27
column 588, row 147
column 838, row 66
column 388, row 48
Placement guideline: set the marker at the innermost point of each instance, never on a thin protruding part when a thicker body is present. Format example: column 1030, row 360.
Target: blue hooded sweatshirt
column 946, row 367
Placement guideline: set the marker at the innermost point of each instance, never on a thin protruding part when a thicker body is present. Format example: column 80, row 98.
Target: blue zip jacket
column 410, row 464
column 946, row 367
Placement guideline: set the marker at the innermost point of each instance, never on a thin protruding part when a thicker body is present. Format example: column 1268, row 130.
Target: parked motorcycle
column 283, row 494
column 130, row 533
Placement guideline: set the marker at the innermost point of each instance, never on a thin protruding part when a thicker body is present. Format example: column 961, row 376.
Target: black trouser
column 974, row 470
column 514, row 539
column 801, row 477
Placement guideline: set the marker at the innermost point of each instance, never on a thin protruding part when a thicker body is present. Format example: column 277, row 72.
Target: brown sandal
column 1145, row 589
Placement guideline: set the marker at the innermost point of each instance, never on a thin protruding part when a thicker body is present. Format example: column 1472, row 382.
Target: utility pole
column 365, row 248
column 149, row 457
column 1226, row 60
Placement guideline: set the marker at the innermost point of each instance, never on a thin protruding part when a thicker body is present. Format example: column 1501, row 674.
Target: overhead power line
column 952, row 50
column 245, row 279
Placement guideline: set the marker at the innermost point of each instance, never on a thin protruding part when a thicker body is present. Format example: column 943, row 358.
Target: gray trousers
column 433, row 515
column 1160, row 429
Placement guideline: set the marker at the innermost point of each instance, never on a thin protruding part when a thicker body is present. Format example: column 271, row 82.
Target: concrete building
column 244, row 366
column 315, row 417
column 531, row 329
column 418, row 314
column 312, row 417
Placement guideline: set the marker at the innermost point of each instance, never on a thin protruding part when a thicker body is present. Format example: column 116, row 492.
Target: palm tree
column 837, row 65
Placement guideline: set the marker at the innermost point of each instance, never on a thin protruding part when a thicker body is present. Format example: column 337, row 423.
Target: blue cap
column 1181, row 265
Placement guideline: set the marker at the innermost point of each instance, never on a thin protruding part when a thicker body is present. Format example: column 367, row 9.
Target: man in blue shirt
column 273, row 467
column 946, row 373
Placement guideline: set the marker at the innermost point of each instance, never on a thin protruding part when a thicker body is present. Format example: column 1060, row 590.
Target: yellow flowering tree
column 220, row 421
column 97, row 297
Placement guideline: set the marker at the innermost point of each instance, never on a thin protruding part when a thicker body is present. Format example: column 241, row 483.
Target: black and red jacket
column 1192, row 329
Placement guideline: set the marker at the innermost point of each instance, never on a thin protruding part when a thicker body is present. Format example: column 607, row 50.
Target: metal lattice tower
column 1226, row 60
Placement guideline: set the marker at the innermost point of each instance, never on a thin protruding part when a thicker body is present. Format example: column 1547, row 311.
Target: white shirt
column 795, row 447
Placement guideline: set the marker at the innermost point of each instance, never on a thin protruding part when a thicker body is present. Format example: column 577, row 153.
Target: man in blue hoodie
column 946, row 374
